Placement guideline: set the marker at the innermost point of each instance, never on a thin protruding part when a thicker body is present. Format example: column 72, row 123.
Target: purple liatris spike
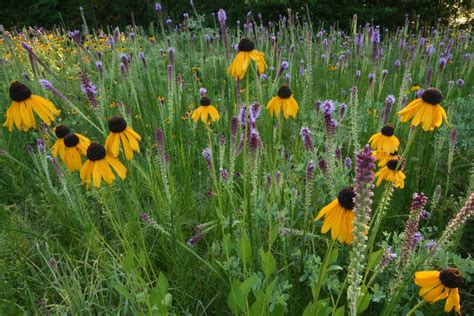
column 460, row 83
column 348, row 162
column 157, row 7
column 99, row 67
column 142, row 57
column 88, row 88
column 254, row 113
column 202, row 92
column 305, row 133
column 327, row 107
column 362, row 208
column 55, row 166
column 224, row 174
column 387, row 109
column 342, row 109
column 410, row 239
column 234, row 123
column 419, row 93
column 40, row 144
column 323, row 165
column 371, row 78
column 387, row 257
column 46, row 85
column 207, row 154
column 310, row 170
column 254, row 140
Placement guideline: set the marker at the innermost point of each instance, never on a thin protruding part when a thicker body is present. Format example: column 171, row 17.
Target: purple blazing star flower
column 327, row 107
column 342, row 109
column 202, row 92
column 358, row 74
column 348, row 163
column 305, row 134
column 207, row 154
column 158, row 7
column 323, row 165
column 88, row 88
column 419, row 93
column 371, row 78
column 40, row 144
column 460, row 83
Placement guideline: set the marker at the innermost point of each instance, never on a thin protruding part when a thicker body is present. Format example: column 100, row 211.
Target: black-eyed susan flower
column 241, row 61
column 59, row 148
column 425, row 110
column 385, row 140
column 438, row 285
column 205, row 111
column 389, row 173
column 383, row 157
column 120, row 133
column 283, row 101
column 99, row 166
column 20, row 112
column 338, row 216
column 75, row 147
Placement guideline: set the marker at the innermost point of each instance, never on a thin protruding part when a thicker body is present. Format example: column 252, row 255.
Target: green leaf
column 163, row 284
column 128, row 262
column 333, row 257
column 122, row 290
column 335, row 268
column 309, row 310
column 374, row 259
column 340, row 311
column 244, row 248
column 364, row 300
column 274, row 233
column 227, row 244
column 235, row 298
column 258, row 308
column 322, row 307
column 268, row 262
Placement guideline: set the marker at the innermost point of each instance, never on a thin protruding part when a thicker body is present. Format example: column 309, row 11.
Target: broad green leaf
column 340, row 311
column 274, row 233
column 122, row 290
column 364, row 300
column 268, row 262
column 374, row 259
column 244, row 248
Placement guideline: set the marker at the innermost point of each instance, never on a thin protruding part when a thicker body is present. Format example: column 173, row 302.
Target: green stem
column 323, row 270
column 412, row 311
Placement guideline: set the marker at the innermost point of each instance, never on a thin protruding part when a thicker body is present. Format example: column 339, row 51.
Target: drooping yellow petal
column 117, row 166
column 96, row 174
column 213, row 112
column 328, row 208
column 127, row 149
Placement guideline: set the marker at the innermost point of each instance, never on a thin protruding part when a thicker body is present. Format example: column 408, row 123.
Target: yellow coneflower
column 383, row 157
column 20, row 112
column 98, row 166
column 385, row 140
column 121, row 133
column 425, row 110
column 205, row 111
column 76, row 147
column 339, row 216
column 389, row 173
column 59, row 148
column 241, row 61
column 438, row 285
column 283, row 101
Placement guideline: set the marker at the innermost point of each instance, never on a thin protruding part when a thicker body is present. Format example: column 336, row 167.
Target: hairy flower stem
column 411, row 138
column 377, row 220
column 322, row 271
column 413, row 310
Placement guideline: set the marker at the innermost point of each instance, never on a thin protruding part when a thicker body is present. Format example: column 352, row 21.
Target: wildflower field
column 282, row 168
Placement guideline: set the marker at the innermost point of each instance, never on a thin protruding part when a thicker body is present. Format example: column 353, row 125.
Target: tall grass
column 181, row 236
